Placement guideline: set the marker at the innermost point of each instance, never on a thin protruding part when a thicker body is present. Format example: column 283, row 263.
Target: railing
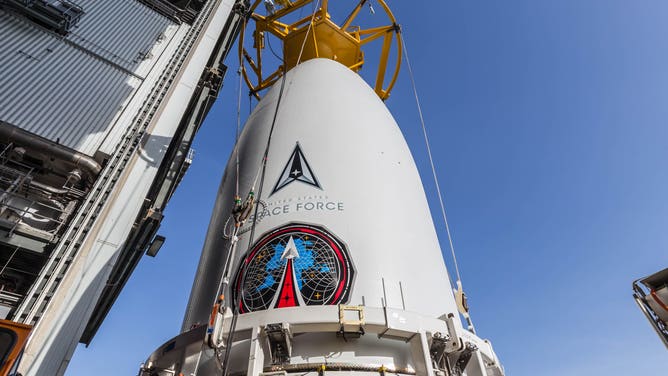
column 17, row 197
column 30, row 210
column 9, row 298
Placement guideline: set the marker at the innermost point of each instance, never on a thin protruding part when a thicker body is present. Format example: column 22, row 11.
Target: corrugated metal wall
column 122, row 31
column 72, row 88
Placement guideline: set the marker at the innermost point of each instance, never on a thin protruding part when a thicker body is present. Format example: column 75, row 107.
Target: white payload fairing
column 332, row 264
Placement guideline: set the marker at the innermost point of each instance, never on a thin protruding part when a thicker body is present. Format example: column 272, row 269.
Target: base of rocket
column 339, row 270
column 342, row 340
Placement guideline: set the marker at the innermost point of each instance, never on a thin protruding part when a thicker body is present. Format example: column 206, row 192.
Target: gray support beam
column 256, row 355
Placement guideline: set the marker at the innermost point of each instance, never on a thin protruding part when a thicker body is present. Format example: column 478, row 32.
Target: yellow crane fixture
column 317, row 36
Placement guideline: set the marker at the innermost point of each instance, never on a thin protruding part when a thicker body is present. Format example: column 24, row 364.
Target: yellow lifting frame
column 318, row 36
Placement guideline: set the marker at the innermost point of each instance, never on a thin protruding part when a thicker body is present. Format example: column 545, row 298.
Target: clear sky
column 548, row 126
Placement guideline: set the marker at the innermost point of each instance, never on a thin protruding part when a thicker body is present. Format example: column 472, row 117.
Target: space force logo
column 294, row 265
column 297, row 169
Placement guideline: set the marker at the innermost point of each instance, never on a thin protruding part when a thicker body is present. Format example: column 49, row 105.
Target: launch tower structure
column 99, row 103
column 651, row 295
column 321, row 255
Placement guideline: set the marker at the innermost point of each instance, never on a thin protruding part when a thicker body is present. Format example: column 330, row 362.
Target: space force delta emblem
column 296, row 169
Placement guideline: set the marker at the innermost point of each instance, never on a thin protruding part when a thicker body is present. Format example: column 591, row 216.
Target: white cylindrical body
column 356, row 182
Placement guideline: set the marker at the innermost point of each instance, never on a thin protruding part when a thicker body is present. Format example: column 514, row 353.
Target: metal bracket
column 280, row 342
column 463, row 359
column 351, row 321
column 438, row 349
column 455, row 343
column 216, row 335
column 448, row 351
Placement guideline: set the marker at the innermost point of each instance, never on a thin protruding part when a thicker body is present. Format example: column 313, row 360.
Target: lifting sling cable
column 263, row 166
column 219, row 303
column 236, row 138
column 438, row 187
column 237, row 197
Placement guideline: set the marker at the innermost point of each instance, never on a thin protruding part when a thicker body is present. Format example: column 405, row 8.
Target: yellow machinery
column 317, row 36
column 13, row 337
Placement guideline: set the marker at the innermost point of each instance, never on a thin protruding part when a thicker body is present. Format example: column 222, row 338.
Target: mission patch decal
column 294, row 265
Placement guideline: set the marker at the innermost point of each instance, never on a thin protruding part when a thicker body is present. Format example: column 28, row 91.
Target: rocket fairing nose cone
column 333, row 207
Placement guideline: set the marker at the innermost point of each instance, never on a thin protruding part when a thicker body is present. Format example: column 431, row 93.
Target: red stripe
column 658, row 301
column 287, row 296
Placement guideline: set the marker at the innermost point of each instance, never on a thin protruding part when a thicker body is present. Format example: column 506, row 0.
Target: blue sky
column 548, row 126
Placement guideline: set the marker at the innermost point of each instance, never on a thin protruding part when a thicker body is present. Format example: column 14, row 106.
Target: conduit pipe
column 11, row 133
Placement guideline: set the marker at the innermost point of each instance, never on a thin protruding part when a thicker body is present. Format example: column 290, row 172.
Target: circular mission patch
column 294, row 265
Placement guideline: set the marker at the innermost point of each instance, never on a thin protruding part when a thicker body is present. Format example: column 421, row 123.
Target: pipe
column 315, row 367
column 11, row 133
column 49, row 189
